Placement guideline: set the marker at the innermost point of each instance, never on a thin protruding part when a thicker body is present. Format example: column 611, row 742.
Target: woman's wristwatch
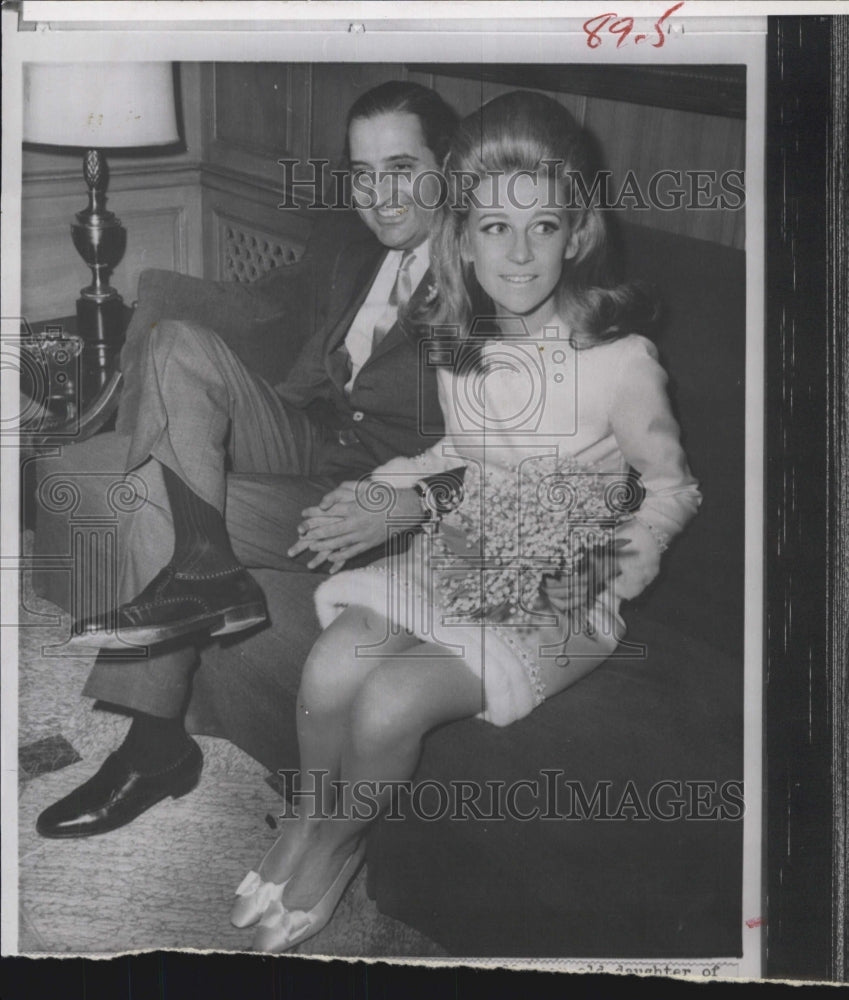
column 439, row 495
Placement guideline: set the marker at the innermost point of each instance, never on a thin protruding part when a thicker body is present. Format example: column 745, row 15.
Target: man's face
column 388, row 158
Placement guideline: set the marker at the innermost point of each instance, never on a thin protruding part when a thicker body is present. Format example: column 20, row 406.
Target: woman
column 548, row 392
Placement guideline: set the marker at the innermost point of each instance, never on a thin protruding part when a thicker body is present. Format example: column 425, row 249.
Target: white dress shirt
column 358, row 340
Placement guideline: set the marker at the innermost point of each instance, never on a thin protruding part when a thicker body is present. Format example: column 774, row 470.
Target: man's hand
column 342, row 527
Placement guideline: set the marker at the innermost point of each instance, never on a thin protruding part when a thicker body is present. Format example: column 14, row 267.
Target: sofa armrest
column 264, row 324
column 224, row 306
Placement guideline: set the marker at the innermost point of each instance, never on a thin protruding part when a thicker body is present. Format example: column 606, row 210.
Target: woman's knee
column 385, row 711
column 329, row 670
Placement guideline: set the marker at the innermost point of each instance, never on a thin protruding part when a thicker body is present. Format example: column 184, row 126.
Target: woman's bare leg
column 397, row 702
column 332, row 677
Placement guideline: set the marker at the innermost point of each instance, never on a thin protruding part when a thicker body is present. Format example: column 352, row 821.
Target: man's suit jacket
column 288, row 326
column 393, row 408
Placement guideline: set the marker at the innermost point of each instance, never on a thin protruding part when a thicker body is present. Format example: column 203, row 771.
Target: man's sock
column 201, row 542
column 154, row 742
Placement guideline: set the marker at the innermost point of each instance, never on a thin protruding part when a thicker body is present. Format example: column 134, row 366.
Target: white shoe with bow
column 254, row 897
column 281, row 929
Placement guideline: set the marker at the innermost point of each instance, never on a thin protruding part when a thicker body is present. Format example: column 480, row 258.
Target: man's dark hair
column 437, row 118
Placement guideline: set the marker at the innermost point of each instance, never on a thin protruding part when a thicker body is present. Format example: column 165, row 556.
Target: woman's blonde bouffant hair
column 529, row 132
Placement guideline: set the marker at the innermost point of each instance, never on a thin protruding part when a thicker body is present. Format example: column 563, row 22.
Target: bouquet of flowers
column 520, row 523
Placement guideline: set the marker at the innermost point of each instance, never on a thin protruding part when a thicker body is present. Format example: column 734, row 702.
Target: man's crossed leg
column 182, row 554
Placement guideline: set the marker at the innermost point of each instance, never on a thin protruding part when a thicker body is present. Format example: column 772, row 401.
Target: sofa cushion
column 264, row 323
column 632, row 884
column 246, row 686
column 702, row 344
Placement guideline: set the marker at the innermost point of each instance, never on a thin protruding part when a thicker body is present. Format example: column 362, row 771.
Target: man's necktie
column 400, row 294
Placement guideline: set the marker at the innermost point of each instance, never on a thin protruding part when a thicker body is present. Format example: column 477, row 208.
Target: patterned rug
column 167, row 879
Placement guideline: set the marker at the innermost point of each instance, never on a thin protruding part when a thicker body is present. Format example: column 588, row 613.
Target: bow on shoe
column 255, row 896
column 280, row 928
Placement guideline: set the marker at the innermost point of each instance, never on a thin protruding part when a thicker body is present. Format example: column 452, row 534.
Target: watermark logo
column 312, row 184
column 549, row 796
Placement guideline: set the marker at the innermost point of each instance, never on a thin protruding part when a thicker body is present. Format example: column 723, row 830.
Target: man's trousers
column 235, row 443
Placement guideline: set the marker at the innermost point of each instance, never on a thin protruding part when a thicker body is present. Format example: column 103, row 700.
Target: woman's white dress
column 604, row 406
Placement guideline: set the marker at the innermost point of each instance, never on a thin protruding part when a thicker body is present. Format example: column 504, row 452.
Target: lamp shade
column 99, row 105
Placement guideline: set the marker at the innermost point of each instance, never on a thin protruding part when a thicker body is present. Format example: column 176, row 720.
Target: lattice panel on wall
column 248, row 253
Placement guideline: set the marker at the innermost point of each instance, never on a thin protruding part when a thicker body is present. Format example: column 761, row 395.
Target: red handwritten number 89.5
column 623, row 26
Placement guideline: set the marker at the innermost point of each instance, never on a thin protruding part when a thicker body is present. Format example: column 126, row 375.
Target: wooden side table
column 70, row 386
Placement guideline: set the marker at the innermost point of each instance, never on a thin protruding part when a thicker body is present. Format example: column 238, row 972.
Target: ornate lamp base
column 101, row 326
column 100, row 240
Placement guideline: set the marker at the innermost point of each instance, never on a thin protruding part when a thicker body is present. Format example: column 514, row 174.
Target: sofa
column 641, row 853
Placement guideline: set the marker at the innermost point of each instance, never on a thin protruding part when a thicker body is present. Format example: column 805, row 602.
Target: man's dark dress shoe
column 172, row 605
column 117, row 794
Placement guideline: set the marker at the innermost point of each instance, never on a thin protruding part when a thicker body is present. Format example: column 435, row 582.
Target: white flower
column 533, row 519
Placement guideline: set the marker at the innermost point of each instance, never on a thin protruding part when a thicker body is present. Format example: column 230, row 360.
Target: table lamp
column 89, row 108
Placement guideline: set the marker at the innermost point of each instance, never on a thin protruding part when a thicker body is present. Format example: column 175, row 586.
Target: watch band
column 440, row 494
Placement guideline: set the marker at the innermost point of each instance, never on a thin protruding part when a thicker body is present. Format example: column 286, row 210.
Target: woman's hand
column 643, row 558
column 573, row 593
column 342, row 527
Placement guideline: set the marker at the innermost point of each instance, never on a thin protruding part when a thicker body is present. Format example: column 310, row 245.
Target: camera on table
column 49, row 363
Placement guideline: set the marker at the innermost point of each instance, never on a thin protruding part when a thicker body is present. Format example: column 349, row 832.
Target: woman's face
column 517, row 243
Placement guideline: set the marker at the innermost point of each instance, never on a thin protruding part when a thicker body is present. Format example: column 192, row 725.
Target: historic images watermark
column 49, row 368
column 548, row 796
column 314, row 183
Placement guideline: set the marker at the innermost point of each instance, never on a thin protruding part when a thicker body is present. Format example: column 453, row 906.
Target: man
column 203, row 432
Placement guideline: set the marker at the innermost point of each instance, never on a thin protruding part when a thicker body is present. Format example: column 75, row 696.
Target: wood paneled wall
column 212, row 209
column 257, row 114
column 254, row 115
column 645, row 140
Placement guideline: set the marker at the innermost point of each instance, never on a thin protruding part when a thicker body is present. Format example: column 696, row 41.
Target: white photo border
column 746, row 46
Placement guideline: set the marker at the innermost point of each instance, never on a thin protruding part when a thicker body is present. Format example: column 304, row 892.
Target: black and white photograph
column 386, row 546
